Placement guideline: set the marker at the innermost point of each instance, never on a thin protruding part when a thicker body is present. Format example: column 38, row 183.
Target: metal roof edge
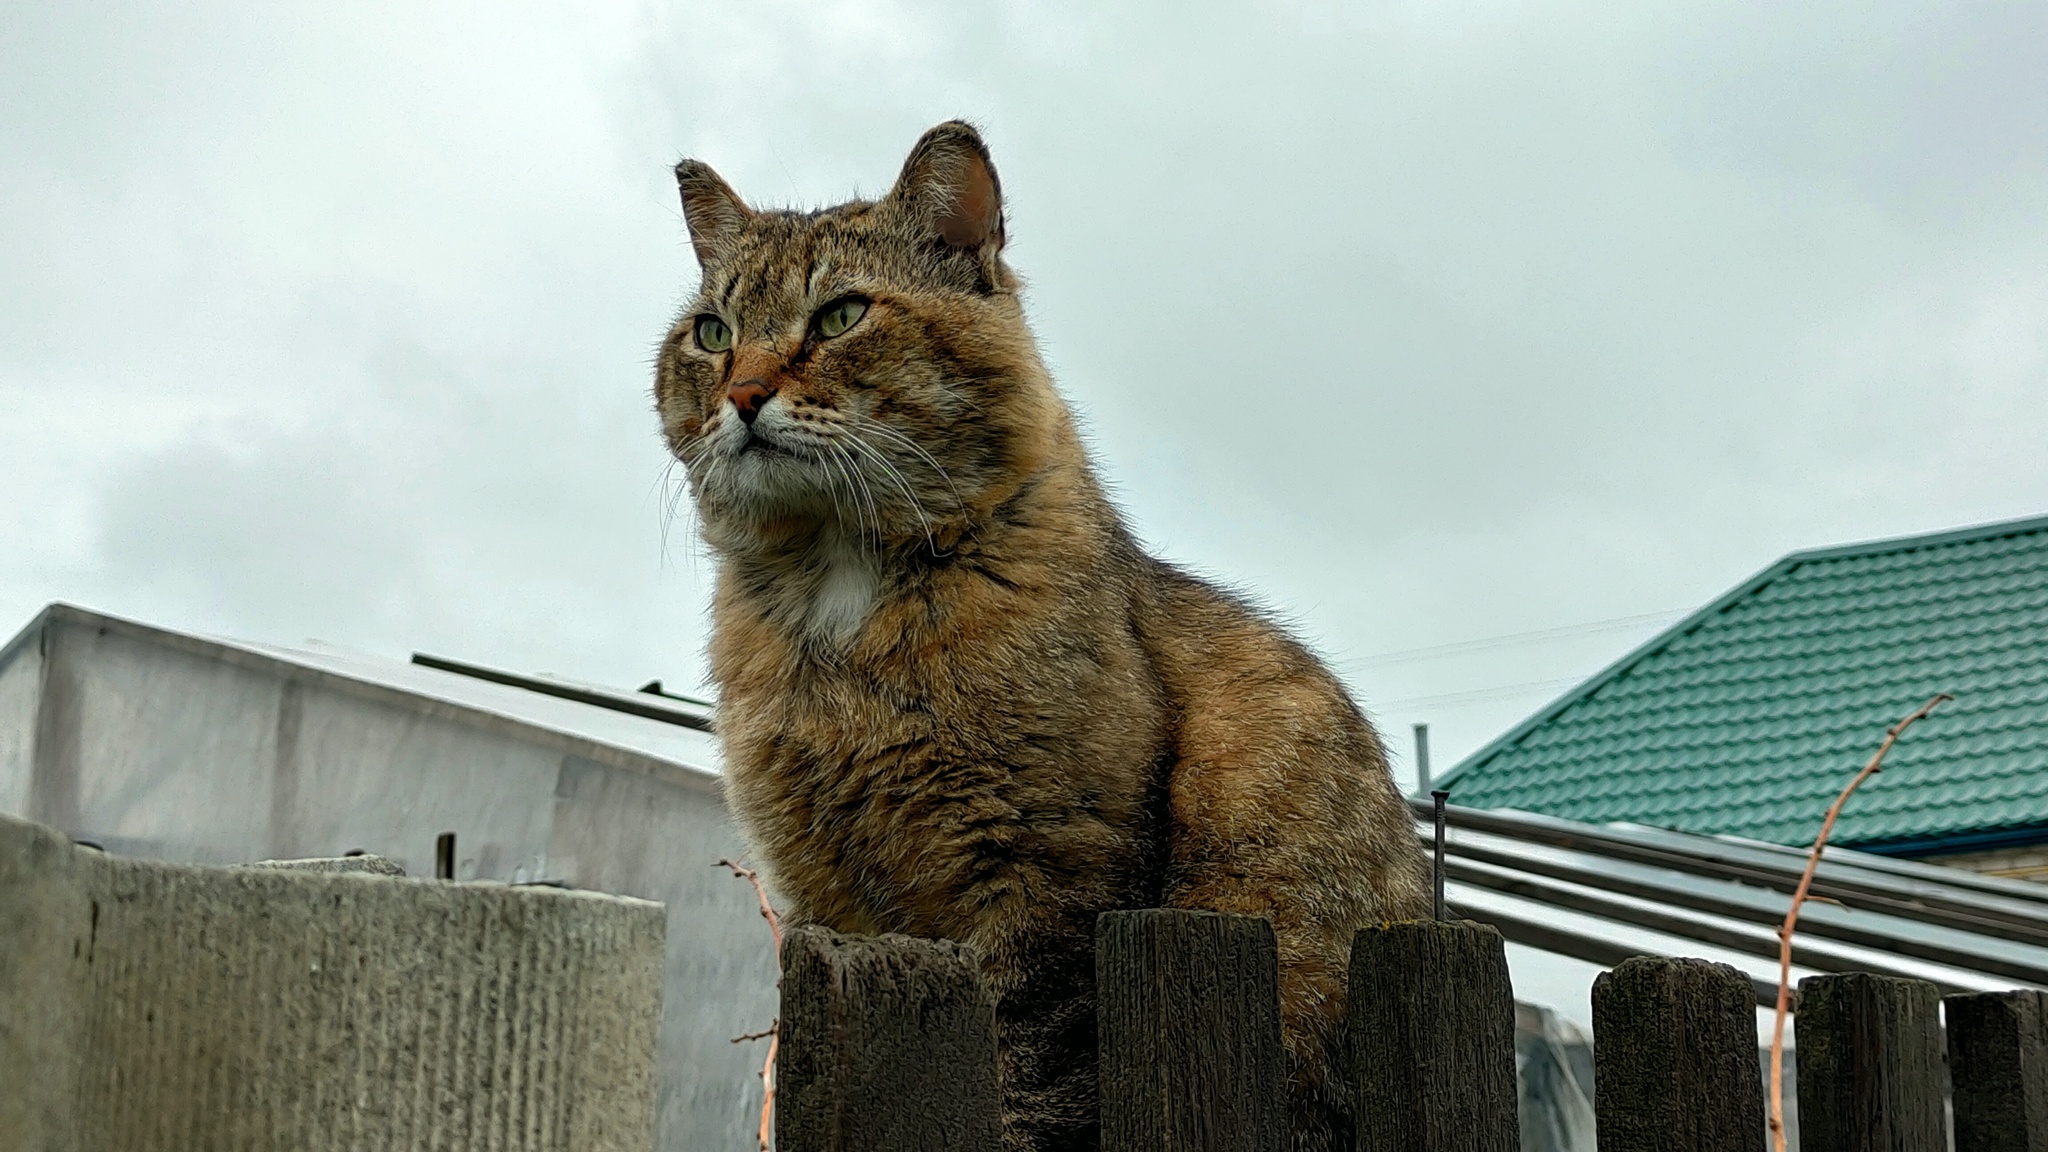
column 595, row 695
column 1986, row 531
column 1726, row 600
column 30, row 631
column 1842, row 866
column 1904, row 867
column 267, row 660
column 1956, row 842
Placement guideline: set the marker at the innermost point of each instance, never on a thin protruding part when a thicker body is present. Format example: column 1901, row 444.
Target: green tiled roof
column 1749, row 717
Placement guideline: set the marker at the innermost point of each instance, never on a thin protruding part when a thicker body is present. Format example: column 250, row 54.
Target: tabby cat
column 957, row 699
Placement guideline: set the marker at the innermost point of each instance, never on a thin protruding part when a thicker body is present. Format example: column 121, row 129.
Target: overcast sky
column 1425, row 322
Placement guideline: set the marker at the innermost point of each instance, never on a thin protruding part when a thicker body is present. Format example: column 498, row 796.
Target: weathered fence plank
column 1188, row 1031
column 1998, row 1070
column 1675, row 1063
column 1433, row 1038
column 887, row 1042
column 1869, row 1065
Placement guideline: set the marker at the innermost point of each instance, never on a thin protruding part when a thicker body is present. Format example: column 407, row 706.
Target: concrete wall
column 166, row 747
column 2028, row 862
column 21, row 670
column 155, row 1007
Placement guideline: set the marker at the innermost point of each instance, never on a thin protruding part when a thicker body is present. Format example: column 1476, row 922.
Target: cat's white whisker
column 831, row 460
column 903, row 486
column 904, row 439
column 832, row 471
column 668, row 503
column 861, row 486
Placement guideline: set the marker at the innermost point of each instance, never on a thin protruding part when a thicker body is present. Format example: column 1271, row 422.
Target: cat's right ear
column 950, row 181
column 714, row 212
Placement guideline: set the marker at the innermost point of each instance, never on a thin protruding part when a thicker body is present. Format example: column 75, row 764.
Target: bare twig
column 1820, row 842
column 766, row 1136
column 763, row 1034
column 767, row 909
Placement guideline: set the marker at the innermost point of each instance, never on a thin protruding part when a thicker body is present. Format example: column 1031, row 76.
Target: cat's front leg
column 1043, row 982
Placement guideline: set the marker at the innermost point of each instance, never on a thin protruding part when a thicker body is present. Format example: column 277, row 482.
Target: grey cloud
column 1422, row 321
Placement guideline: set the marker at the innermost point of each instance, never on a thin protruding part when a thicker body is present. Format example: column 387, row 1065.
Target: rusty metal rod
column 1437, row 870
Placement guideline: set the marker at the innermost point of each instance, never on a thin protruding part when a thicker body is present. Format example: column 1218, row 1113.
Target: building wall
column 164, row 747
column 21, row 673
column 2024, row 863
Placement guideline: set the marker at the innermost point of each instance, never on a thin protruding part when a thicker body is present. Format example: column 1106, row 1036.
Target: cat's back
column 1225, row 659
column 1278, row 774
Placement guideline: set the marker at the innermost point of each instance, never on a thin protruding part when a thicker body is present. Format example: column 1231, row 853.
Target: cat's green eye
column 840, row 315
column 713, row 335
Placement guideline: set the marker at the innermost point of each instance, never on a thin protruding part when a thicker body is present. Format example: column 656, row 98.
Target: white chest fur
column 844, row 584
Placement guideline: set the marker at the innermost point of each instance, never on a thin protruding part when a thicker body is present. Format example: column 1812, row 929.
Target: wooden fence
column 888, row 1046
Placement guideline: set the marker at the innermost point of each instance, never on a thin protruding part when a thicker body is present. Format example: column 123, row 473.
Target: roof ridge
column 1783, row 566
column 1990, row 530
column 298, row 664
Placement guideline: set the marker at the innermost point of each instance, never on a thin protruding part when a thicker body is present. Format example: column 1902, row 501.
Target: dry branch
column 1820, row 842
column 766, row 1135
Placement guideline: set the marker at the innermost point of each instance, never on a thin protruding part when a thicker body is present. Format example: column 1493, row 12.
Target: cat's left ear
column 950, row 182
column 714, row 212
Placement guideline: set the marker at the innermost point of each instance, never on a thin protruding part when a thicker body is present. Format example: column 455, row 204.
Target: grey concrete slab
column 44, row 901
column 148, row 1006
column 374, row 865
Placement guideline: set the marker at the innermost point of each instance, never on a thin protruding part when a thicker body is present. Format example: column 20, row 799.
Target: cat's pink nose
column 748, row 396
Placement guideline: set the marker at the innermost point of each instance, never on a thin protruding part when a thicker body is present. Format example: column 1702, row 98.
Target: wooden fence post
column 1998, row 1070
column 1188, row 1033
column 887, row 1042
column 1675, row 1061
column 1869, row 1064
column 1433, row 1039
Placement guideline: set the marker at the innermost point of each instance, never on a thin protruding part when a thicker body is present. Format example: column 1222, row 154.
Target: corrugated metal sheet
column 1748, row 717
column 1602, row 894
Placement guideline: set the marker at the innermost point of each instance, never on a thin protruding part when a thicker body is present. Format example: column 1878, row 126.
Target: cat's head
column 863, row 369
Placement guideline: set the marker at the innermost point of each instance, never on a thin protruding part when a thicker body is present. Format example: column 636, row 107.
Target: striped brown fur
column 957, row 700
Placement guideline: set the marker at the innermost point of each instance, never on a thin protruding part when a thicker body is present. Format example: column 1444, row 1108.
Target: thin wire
column 1478, row 694
column 1510, row 639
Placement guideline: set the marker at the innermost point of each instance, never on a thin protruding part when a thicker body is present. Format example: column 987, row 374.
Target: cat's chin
column 769, row 518
column 764, row 481
column 766, row 501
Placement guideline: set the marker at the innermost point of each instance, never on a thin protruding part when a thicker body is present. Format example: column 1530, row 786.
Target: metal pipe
column 631, row 703
column 1437, row 871
column 1773, row 868
column 1546, row 937
column 1421, row 758
column 1521, row 875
